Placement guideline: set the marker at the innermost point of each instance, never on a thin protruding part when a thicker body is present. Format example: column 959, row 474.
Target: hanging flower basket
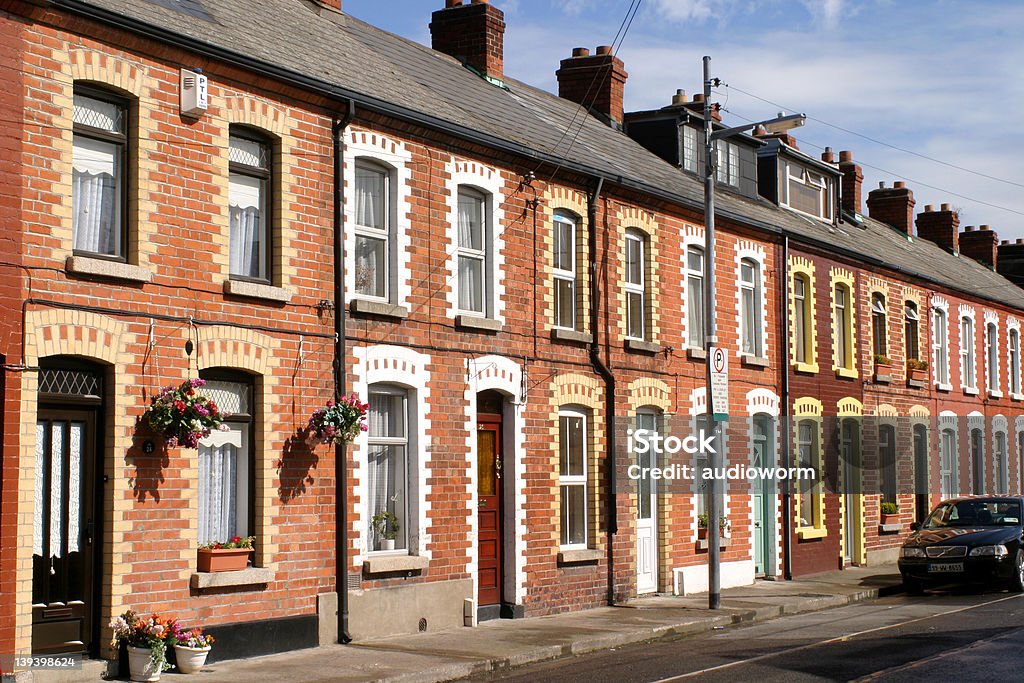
column 339, row 422
column 184, row 416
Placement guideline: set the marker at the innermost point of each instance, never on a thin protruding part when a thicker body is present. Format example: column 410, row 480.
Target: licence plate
column 945, row 567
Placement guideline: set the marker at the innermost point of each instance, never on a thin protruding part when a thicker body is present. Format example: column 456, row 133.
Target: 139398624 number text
column 14, row 662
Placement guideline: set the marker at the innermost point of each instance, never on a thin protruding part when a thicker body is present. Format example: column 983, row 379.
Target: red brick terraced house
column 292, row 204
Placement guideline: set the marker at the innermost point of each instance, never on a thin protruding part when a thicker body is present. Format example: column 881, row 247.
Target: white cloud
column 826, row 12
column 685, row 10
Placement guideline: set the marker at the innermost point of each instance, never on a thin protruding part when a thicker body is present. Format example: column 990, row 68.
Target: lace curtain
column 245, row 195
column 94, row 195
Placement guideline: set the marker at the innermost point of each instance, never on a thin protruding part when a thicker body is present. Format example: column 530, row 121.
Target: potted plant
column 702, row 525
column 339, row 421
column 386, row 526
column 890, row 513
column 917, row 370
column 183, row 416
column 191, row 647
column 146, row 642
column 225, row 556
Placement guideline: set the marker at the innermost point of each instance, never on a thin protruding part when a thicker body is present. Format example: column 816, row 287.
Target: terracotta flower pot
column 918, row 375
column 891, row 518
column 702, row 532
column 223, row 559
column 140, row 664
column 190, row 659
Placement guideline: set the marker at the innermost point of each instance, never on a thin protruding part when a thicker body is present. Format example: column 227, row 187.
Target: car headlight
column 989, row 551
column 911, row 552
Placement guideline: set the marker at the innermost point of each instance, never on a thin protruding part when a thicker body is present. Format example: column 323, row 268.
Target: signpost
column 719, row 384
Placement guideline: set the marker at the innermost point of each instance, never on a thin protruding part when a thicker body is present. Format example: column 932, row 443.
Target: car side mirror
column 915, row 526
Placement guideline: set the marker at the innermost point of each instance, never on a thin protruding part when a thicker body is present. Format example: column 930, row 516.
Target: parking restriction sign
column 719, row 361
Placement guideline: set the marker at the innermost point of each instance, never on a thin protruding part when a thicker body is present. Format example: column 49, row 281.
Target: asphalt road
column 939, row 637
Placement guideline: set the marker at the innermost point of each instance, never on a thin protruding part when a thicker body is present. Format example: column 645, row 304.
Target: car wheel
column 1017, row 580
column 912, row 586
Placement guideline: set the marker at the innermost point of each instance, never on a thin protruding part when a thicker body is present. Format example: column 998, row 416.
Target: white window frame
column 1013, row 360
column 1001, row 455
column 727, row 170
column 691, row 143
column 695, row 329
column 574, row 480
column 483, row 255
column 802, row 175
column 565, row 274
column 879, row 325
column 992, row 358
column 842, row 322
column 635, row 289
column 407, row 518
column 812, row 450
column 949, row 465
column 911, row 319
column 386, row 234
column 802, row 316
column 753, row 318
column 392, row 155
column 940, row 347
column 238, row 434
column 968, row 369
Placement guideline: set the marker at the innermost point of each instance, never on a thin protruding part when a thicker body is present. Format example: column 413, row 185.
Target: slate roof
column 341, row 55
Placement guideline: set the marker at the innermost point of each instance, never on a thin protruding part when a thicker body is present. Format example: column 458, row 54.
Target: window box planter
column 223, row 559
column 917, row 375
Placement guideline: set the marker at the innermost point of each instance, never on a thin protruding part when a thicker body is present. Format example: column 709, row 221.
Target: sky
column 930, row 92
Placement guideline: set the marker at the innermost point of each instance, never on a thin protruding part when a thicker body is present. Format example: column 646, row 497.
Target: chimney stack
column 982, row 245
column 853, row 179
column 333, row 4
column 473, row 33
column 595, row 81
column 941, row 227
column 1011, row 261
column 893, row 205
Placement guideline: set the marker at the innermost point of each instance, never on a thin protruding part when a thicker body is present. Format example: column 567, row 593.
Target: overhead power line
column 804, row 141
column 882, row 142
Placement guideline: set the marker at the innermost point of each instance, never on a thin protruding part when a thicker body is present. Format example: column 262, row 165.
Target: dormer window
column 691, row 139
column 806, row 191
column 728, row 163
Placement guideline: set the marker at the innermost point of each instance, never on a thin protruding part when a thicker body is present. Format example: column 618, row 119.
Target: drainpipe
column 787, row 437
column 609, row 385
column 340, row 384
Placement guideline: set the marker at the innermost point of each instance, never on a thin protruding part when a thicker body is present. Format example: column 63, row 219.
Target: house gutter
column 340, row 383
column 609, row 384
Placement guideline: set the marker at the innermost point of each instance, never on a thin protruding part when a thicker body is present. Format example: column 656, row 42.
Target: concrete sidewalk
column 494, row 645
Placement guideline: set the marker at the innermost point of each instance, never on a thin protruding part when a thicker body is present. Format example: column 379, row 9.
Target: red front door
column 488, row 473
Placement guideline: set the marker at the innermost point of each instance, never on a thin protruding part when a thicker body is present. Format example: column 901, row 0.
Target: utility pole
column 717, row 460
column 710, row 341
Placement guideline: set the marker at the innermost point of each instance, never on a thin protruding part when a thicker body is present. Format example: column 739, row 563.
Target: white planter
column 140, row 664
column 387, row 544
column 190, row 659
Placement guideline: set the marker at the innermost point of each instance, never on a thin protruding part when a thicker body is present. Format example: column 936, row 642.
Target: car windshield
column 974, row 513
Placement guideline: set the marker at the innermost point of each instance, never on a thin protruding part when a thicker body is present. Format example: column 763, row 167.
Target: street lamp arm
column 778, row 124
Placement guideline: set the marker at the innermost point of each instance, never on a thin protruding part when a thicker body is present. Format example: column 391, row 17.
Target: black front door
column 65, row 537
